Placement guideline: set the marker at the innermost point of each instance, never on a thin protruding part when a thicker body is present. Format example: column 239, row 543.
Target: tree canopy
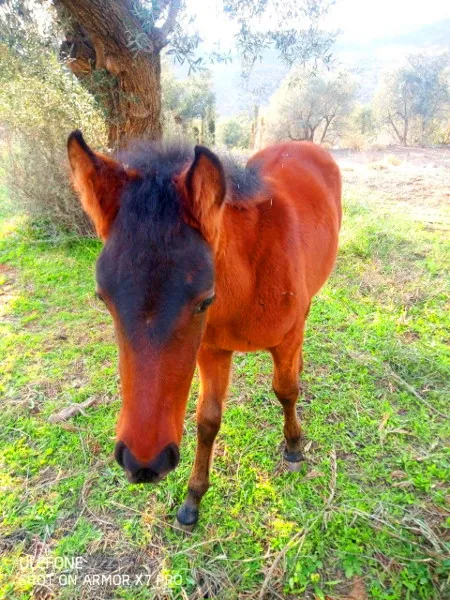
column 412, row 99
column 188, row 106
column 310, row 106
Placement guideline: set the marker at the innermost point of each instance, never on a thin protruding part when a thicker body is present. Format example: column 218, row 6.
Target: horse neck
column 234, row 247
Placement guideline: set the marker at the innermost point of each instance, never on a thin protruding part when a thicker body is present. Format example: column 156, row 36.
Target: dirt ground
column 412, row 180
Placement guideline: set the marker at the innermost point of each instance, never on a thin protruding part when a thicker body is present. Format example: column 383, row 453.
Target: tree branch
column 328, row 120
column 159, row 8
column 111, row 21
column 167, row 27
column 391, row 122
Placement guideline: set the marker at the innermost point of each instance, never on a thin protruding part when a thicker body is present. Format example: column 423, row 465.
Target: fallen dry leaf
column 357, row 592
column 403, row 484
column 307, row 448
column 312, row 474
column 404, row 431
column 398, row 475
column 383, row 422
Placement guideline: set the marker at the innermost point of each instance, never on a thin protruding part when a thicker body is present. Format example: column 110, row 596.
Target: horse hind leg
column 287, row 359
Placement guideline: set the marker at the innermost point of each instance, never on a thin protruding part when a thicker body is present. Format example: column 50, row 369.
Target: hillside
column 235, row 95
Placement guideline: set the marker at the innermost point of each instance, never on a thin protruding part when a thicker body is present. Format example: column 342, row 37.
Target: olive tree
column 412, row 100
column 188, row 106
column 235, row 132
column 310, row 106
column 115, row 47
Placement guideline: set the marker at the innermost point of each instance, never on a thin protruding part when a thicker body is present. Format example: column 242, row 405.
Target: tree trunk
column 405, row 133
column 139, row 100
column 400, row 138
column 311, row 133
column 79, row 54
column 109, row 36
column 328, row 121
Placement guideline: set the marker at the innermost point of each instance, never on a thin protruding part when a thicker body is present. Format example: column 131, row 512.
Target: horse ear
column 99, row 180
column 206, row 189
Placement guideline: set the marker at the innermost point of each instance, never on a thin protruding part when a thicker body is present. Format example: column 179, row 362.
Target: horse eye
column 203, row 305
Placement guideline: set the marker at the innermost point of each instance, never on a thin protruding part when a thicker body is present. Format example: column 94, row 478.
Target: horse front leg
column 288, row 364
column 214, row 367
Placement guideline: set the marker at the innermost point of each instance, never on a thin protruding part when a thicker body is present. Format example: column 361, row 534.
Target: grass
column 371, row 505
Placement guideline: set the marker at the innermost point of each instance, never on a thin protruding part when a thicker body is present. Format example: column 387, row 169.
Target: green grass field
column 369, row 511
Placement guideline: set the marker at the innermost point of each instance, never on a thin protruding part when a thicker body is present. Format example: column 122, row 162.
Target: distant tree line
column 97, row 65
column 410, row 107
column 47, row 89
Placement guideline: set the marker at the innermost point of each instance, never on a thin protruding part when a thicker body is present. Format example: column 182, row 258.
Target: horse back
column 276, row 252
column 305, row 186
column 307, row 172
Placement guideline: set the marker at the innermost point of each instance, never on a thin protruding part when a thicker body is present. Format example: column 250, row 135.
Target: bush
column 354, row 140
column 360, row 128
column 188, row 107
column 441, row 135
column 40, row 104
column 234, row 132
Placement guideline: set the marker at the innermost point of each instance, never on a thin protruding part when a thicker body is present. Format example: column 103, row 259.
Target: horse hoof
column 294, row 467
column 183, row 527
column 187, row 517
column 293, row 456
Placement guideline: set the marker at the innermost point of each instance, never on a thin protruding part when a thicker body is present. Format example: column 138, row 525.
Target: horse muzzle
column 152, row 471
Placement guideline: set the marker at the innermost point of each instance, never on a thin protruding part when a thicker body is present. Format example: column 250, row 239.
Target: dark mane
column 244, row 182
column 163, row 160
column 152, row 159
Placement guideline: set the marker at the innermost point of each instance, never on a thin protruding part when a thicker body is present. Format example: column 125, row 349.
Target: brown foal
column 202, row 258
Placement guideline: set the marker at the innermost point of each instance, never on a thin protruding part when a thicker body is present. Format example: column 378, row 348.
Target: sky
column 360, row 21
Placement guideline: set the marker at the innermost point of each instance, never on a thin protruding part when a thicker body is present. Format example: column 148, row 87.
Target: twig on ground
column 410, row 389
column 299, row 537
column 390, row 372
column 393, row 527
column 333, row 465
column 73, row 409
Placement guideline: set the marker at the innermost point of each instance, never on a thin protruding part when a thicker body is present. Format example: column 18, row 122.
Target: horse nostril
column 171, row 458
column 151, row 471
column 118, row 453
column 166, row 460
